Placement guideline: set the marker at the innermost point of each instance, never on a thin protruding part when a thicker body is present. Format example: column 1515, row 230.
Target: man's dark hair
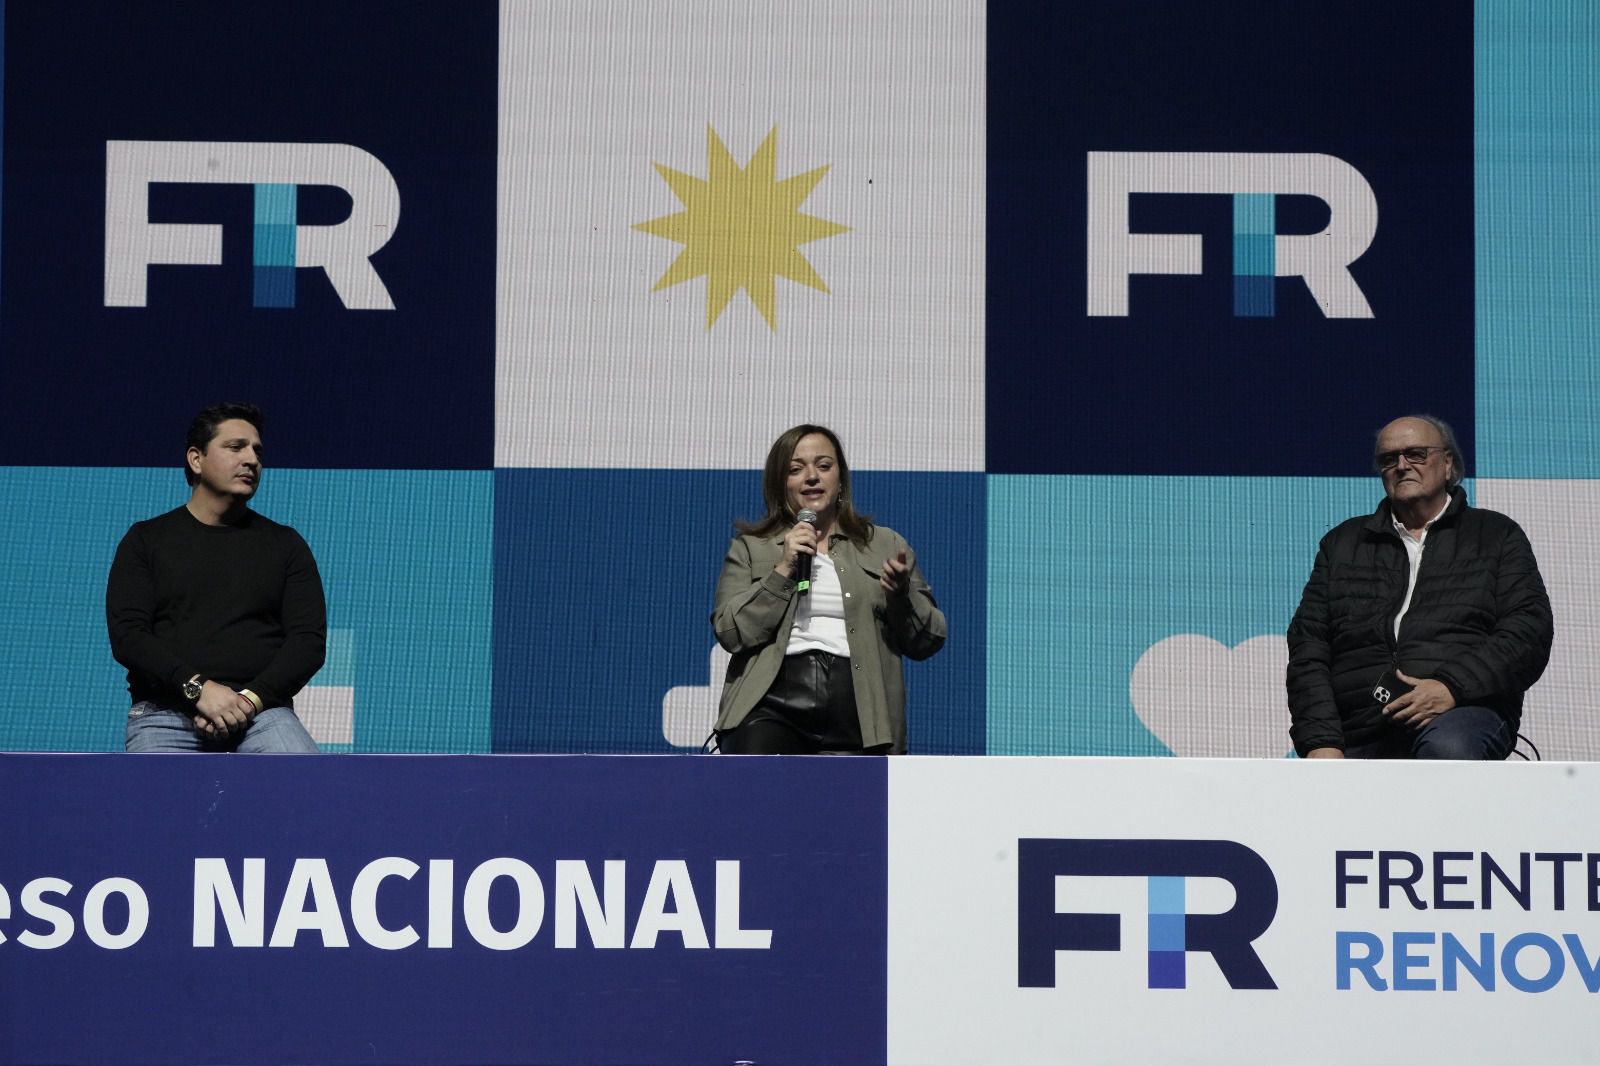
column 203, row 430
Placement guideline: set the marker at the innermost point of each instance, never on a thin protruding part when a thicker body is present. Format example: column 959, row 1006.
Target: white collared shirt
column 1414, row 546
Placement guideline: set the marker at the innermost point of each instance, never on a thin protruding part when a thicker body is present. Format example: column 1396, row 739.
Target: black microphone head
column 802, row 564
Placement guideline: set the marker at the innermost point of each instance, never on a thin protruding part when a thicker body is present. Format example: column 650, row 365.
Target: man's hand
column 895, row 577
column 1325, row 753
column 221, row 710
column 1427, row 700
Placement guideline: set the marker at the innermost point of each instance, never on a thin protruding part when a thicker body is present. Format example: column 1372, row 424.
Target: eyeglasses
column 1415, row 456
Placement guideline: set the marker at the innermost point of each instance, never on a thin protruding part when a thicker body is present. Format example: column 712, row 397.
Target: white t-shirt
column 819, row 619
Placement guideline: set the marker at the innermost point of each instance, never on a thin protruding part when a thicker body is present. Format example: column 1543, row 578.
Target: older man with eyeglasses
column 1422, row 624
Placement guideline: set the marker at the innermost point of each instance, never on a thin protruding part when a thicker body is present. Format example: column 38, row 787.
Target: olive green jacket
column 755, row 608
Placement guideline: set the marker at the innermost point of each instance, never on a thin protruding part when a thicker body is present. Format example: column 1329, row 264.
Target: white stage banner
column 1233, row 911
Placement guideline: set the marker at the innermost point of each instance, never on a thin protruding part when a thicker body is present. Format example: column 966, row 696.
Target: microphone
column 802, row 565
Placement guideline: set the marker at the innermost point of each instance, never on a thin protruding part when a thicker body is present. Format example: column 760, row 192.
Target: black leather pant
column 810, row 709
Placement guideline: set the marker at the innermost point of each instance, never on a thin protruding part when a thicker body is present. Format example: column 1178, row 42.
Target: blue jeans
column 153, row 728
column 1459, row 733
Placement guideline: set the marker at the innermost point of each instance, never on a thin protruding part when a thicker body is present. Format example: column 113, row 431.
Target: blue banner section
column 1538, row 248
column 602, row 625
column 404, row 558
column 324, row 910
column 139, row 277
column 1137, row 153
column 1160, row 627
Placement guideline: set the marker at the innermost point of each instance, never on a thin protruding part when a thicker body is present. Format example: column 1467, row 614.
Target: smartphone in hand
column 1388, row 687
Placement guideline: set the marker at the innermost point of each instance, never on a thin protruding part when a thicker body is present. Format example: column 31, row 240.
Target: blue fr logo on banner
column 295, row 209
column 343, row 251
column 1249, row 229
column 1174, row 932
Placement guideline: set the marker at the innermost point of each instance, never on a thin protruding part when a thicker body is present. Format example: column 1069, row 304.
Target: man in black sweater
column 1423, row 624
column 216, row 611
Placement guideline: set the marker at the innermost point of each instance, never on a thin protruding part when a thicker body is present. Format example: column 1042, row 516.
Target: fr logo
column 280, row 244
column 1228, row 938
column 1260, row 254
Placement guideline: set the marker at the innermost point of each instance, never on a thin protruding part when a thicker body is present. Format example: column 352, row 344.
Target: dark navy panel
column 813, row 873
column 603, row 587
column 1184, row 384
column 414, row 85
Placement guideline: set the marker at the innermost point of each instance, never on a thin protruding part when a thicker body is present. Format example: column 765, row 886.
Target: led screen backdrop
column 1105, row 301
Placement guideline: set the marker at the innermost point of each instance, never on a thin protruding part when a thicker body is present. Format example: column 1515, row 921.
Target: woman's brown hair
column 775, row 489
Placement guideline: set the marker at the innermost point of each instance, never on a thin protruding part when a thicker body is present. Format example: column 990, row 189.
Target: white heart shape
column 1206, row 700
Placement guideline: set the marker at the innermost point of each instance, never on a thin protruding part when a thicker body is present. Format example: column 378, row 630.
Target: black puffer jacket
column 1479, row 621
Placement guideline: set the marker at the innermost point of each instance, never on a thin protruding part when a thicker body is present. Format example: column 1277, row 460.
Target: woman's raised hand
column 895, row 577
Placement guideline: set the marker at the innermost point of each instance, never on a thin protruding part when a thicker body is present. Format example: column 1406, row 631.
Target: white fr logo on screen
column 280, row 245
column 1253, row 179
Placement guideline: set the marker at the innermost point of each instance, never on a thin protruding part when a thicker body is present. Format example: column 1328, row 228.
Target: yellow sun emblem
column 741, row 228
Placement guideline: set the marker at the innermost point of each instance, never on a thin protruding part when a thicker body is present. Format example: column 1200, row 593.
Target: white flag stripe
column 596, row 369
column 1558, row 517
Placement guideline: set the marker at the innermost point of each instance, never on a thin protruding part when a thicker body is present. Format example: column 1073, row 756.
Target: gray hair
column 1458, row 465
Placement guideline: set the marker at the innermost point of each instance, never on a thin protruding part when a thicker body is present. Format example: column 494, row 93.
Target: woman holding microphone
column 818, row 606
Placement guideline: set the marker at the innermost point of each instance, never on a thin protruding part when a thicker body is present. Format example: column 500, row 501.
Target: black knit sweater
column 238, row 604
